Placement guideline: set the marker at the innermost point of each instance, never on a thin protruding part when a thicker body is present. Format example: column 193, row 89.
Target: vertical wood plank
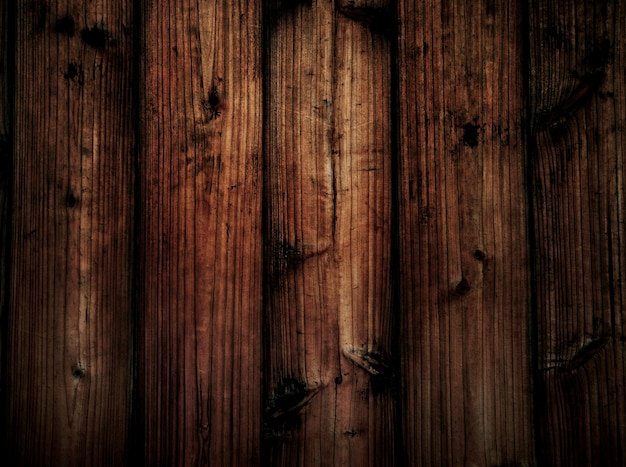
column 69, row 327
column 578, row 109
column 465, row 282
column 6, row 26
column 200, row 240
column 328, row 144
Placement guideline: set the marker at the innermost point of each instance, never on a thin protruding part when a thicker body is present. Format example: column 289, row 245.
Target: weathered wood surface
column 328, row 147
column 283, row 148
column 69, row 367
column 5, row 173
column 463, row 254
column 578, row 108
column 200, row 277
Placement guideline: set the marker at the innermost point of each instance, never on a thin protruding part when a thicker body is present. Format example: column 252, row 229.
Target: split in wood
column 558, row 116
column 282, row 411
column 585, row 354
column 374, row 363
column 287, row 255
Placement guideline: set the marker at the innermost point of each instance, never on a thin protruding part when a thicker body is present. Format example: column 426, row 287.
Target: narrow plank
column 69, row 363
column 463, row 245
column 578, row 110
column 6, row 26
column 328, row 144
column 200, row 290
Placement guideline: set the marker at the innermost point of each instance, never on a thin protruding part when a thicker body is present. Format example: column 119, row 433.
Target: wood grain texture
column 463, row 252
column 200, row 292
column 6, row 100
column 578, row 109
column 69, row 328
column 328, row 311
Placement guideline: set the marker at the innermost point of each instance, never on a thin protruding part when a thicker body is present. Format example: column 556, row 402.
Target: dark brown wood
column 69, row 370
column 578, row 109
column 464, row 255
column 341, row 231
column 329, row 374
column 5, row 177
column 200, row 287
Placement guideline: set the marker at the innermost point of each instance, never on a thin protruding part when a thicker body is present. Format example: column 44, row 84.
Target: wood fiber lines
column 69, row 364
column 199, row 272
column 312, row 232
column 329, row 376
column 463, row 249
column 5, row 172
column 578, row 109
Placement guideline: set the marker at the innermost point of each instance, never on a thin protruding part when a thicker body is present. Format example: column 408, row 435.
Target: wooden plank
column 6, row 65
column 200, row 292
column 578, row 109
column 463, row 244
column 69, row 363
column 329, row 294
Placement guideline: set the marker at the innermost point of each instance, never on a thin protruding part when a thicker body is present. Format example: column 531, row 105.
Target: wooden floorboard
column 577, row 110
column 69, row 366
column 328, row 147
column 199, row 271
column 463, row 244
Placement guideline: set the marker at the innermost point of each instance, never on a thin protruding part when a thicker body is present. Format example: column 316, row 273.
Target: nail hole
column 96, row 37
column 65, row 26
column 462, row 287
column 78, row 371
column 71, row 200
column 479, row 255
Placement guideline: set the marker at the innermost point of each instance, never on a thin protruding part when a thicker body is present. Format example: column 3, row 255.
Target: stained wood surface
column 463, row 253
column 328, row 147
column 577, row 103
column 200, row 277
column 5, row 174
column 69, row 371
column 330, row 232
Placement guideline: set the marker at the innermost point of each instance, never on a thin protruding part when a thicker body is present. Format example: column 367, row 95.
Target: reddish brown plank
column 69, row 324
column 328, row 152
column 578, row 109
column 200, row 271
column 464, row 253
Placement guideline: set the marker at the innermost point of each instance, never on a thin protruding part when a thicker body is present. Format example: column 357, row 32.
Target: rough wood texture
column 5, row 176
column 200, row 291
column 69, row 328
column 578, row 108
column 328, row 141
column 465, row 286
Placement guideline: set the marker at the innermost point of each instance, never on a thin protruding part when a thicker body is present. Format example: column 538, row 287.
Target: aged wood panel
column 463, row 264
column 6, row 66
column 200, row 292
column 578, row 109
column 328, row 147
column 69, row 367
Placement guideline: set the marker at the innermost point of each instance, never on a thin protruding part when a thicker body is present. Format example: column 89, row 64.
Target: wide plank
column 578, row 137
column 199, row 242
column 329, row 368
column 465, row 289
column 69, row 360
